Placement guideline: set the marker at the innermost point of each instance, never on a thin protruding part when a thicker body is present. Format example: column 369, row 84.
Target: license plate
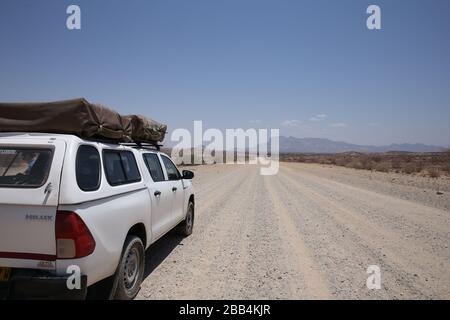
column 5, row 273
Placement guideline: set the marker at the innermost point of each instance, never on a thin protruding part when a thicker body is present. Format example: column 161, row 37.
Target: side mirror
column 188, row 175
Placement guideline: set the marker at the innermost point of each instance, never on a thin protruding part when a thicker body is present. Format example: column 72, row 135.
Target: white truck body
column 28, row 214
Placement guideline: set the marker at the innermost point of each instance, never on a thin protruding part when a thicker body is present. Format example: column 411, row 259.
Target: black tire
column 130, row 271
column 187, row 225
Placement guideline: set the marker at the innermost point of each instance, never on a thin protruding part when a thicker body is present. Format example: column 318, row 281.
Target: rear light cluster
column 73, row 238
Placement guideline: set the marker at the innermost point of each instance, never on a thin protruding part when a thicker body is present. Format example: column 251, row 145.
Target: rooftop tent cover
column 81, row 118
column 145, row 129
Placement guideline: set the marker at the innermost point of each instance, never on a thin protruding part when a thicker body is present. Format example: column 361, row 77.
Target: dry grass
column 383, row 166
column 429, row 164
column 412, row 167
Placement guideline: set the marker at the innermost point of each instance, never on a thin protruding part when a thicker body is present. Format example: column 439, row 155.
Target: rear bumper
column 41, row 286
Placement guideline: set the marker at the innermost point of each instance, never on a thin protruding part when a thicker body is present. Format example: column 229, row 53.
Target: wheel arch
column 139, row 231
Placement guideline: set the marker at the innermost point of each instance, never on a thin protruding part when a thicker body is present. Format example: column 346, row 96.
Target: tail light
column 73, row 238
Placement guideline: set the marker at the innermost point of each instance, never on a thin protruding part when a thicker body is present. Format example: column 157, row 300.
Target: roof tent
column 80, row 118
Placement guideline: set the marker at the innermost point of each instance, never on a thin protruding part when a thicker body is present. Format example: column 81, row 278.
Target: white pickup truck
column 71, row 207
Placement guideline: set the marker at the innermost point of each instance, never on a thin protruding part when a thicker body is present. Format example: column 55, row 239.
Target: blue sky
column 310, row 68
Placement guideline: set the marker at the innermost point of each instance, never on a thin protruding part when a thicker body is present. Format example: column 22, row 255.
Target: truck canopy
column 81, row 118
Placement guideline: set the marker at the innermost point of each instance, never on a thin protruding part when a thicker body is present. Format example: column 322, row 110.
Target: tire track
column 316, row 288
column 405, row 261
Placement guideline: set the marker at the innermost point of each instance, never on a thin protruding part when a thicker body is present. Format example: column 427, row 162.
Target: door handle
column 174, row 189
column 48, row 188
column 157, row 193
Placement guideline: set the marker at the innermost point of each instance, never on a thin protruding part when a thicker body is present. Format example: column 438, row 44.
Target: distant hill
column 319, row 145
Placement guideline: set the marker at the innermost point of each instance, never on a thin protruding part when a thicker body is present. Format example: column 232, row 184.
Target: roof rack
column 142, row 145
column 131, row 144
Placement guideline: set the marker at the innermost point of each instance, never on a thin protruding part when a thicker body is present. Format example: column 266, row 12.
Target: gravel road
column 309, row 232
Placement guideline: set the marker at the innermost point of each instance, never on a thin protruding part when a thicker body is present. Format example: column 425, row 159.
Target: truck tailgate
column 30, row 172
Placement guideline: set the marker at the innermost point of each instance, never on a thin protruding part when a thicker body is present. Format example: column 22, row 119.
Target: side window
column 120, row 167
column 87, row 168
column 154, row 166
column 172, row 171
column 130, row 166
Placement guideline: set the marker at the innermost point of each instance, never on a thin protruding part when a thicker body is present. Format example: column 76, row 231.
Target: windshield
column 24, row 167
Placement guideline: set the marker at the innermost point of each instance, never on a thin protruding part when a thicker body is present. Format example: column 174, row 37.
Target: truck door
column 176, row 187
column 161, row 196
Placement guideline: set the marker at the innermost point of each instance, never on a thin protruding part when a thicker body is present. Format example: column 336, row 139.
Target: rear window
column 120, row 167
column 23, row 167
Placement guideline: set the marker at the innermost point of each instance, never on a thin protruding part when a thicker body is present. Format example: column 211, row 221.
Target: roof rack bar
column 142, row 145
column 132, row 144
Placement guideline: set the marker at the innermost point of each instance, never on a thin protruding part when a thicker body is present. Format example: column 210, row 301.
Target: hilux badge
column 35, row 217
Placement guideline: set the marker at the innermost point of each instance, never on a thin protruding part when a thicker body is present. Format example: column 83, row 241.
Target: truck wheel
column 186, row 226
column 130, row 271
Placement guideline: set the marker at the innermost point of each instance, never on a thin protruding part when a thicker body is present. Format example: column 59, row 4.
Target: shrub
column 341, row 162
column 397, row 163
column 435, row 160
column 412, row 167
column 447, row 168
column 355, row 164
column 369, row 165
column 376, row 159
column 434, row 172
column 383, row 166
column 446, row 161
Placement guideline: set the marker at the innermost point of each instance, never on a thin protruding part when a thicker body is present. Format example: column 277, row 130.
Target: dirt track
column 308, row 232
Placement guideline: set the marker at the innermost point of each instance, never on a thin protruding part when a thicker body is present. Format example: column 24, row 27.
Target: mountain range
column 319, row 145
